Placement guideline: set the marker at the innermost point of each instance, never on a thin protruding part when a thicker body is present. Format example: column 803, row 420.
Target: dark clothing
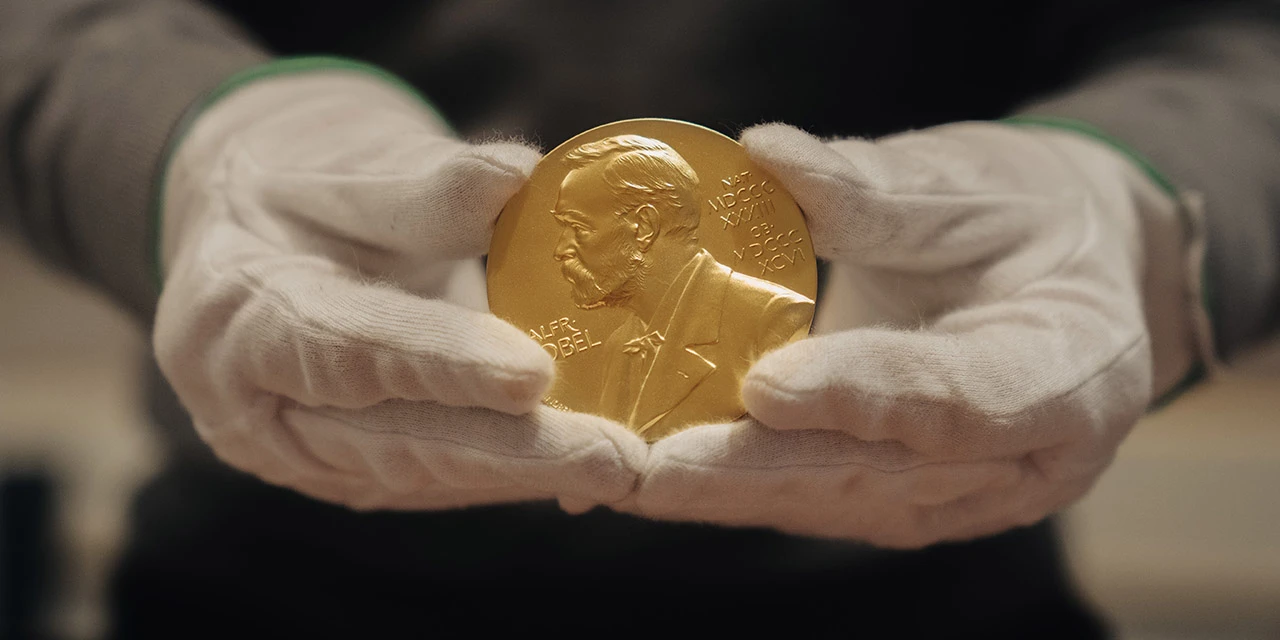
column 249, row 561
column 89, row 90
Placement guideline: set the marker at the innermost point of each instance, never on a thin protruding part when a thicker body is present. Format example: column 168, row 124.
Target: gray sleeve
column 1199, row 96
column 89, row 92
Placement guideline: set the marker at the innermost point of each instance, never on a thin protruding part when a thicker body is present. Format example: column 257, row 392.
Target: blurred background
column 1179, row 541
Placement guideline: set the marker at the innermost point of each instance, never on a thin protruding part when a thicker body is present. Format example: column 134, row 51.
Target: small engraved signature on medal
column 555, row 404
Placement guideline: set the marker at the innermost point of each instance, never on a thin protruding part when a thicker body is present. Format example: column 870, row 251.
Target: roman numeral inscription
column 772, row 250
column 743, row 200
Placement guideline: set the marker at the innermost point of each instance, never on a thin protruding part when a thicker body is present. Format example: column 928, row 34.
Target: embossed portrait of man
column 629, row 211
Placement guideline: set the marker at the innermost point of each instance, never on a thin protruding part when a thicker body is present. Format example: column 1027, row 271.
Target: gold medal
column 656, row 263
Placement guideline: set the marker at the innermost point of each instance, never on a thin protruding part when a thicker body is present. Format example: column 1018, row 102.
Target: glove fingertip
column 525, row 380
column 605, row 457
column 774, row 143
column 511, row 157
column 775, row 389
column 786, row 388
column 633, row 452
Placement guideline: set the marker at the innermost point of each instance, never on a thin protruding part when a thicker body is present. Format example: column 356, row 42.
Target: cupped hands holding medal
column 1003, row 302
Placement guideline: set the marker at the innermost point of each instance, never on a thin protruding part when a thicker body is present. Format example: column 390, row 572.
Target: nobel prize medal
column 656, row 263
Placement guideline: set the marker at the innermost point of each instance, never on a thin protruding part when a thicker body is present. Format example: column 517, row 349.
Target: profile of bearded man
column 629, row 211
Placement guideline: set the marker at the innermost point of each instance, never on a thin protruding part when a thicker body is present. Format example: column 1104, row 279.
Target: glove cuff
column 278, row 67
column 1190, row 300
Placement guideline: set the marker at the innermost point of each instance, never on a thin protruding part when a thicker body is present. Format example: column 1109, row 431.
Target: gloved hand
column 323, row 314
column 1002, row 305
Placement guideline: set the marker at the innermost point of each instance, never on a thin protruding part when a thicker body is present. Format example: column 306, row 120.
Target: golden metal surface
column 656, row 263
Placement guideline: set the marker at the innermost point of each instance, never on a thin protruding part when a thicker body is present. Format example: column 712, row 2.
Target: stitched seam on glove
column 1010, row 417
column 945, row 197
column 462, row 445
column 1090, row 131
column 1121, row 354
column 506, row 170
column 278, row 67
column 1199, row 370
column 1017, row 459
column 374, row 348
column 304, row 450
column 1141, row 161
column 502, row 170
column 261, row 287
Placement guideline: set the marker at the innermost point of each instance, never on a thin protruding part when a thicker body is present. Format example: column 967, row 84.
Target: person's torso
column 546, row 70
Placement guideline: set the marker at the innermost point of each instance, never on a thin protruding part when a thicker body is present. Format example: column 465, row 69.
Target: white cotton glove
column 323, row 312
column 1003, row 303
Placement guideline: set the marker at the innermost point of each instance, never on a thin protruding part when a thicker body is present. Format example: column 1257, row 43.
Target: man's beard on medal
column 591, row 290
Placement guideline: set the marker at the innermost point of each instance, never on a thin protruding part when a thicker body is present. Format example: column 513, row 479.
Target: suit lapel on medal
column 678, row 368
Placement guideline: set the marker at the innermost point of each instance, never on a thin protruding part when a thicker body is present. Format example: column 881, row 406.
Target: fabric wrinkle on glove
column 981, row 349
column 323, row 314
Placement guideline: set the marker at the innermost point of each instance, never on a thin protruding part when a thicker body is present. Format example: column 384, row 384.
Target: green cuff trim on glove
column 1199, row 371
column 1090, row 131
column 238, row 80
